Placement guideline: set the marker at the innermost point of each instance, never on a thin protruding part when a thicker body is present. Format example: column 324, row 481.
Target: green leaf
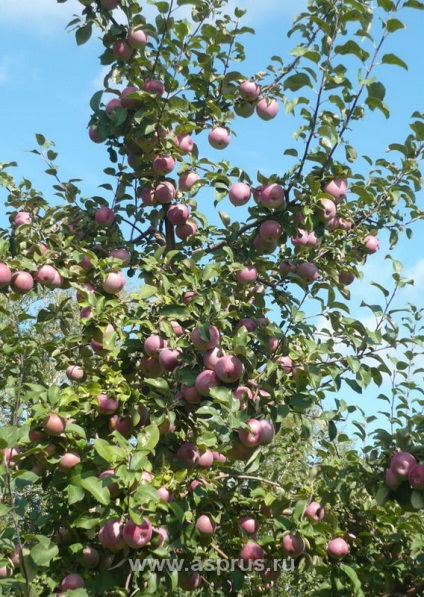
column 296, row 82
column 383, row 495
column 146, row 291
column 157, row 382
column 44, row 554
column 393, row 59
column 356, row 583
column 417, row 499
column 83, row 34
column 332, row 430
column 95, row 486
column 351, row 47
column 394, row 24
column 418, row 128
column 108, row 452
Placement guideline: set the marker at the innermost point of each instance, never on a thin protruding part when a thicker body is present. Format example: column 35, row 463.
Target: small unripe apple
column 246, row 275
column 267, row 109
column 69, row 460
column 205, row 525
column 53, row 424
column 137, row 38
column 71, row 582
column 248, row 525
column 249, row 90
column 337, row 188
column 252, row 436
column 416, row 476
column 219, row 138
column 293, row 545
column 371, row 244
column 114, row 282
column 22, row 282
column 308, row 272
column 337, row 548
column 104, row 216
column 187, row 180
column 314, row 511
column 122, row 50
column 163, row 164
column 229, row 368
column 251, row 551
column 5, row 275
column 164, row 192
column 401, row 463
column 154, row 86
column 244, row 109
column 272, row 195
column 178, row 214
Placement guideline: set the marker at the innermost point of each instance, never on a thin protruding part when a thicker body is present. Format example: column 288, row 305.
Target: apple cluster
column 404, row 468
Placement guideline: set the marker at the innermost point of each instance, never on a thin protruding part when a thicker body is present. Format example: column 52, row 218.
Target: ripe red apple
column 267, row 109
column 188, row 296
column 159, row 536
column 53, row 424
column 337, row 188
column 137, row 38
column 114, row 282
column 163, row 164
column 99, row 338
column 165, row 494
column 285, row 363
column 205, row 525
column 154, row 86
column 106, row 405
column 164, row 192
column 104, row 216
column 270, row 230
column 122, row 50
column 22, row 218
column 169, row 358
column 211, row 356
column 185, row 142
column 251, row 551
column 113, row 105
column 177, row 328
column 247, row 323
column 251, row 437
column 97, row 136
column 5, row 275
column 9, row 455
column 121, row 424
column 249, row 90
column 209, row 338
column 206, row 459
column 286, row 267
column 392, row 480
column 147, row 196
column 346, row 278
column 337, row 548
column 187, row 180
column 89, row 557
column 22, row 282
column 326, row 210
column 308, row 272
column 239, row 193
column 205, row 381
column 72, row 581
column 219, row 137
column 267, row 432
column 293, row 545
column 69, row 460
column 186, row 230
column 137, row 535
column 301, row 238
column 416, row 476
column 314, row 511
column 121, row 254
column 5, row 572
column 150, row 366
column 130, row 103
column 371, row 244
column 154, row 344
column 188, row 454
column 218, row 457
column 189, row 581
column 178, row 214
column 248, row 525
column 247, row 274
column 243, row 394
column 109, row 4
column 111, row 535
column 272, row 195
column 229, row 368
column 113, row 487
column 401, row 463
column 190, row 394
column 48, row 276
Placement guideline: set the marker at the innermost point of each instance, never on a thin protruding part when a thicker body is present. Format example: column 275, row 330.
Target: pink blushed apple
column 205, row 381
column 122, row 254
column 337, row 548
column 114, row 282
column 272, row 195
column 336, row 187
column 252, row 436
column 326, row 210
column 249, row 90
column 239, row 193
column 154, row 86
column 106, row 405
column 54, row 424
column 267, row 109
column 130, row 103
column 111, row 535
column 72, row 582
column 188, row 229
column 22, row 282
column 112, row 105
column 416, row 476
column 69, row 460
column 205, row 525
column 104, row 216
column 371, row 244
column 154, row 344
column 178, row 214
column 206, row 459
column 270, row 230
column 314, row 511
column 122, row 50
column 188, row 454
column 219, row 138
column 229, row 368
column 22, row 218
column 137, row 38
column 185, row 143
column 248, row 525
column 293, row 545
column 401, row 463
column 164, row 192
column 163, row 164
column 308, row 272
column 169, row 358
column 5, row 275
column 187, row 180
column 246, row 275
column 48, row 276
column 251, row 551
column 75, row 373
column 392, row 480
column 205, row 338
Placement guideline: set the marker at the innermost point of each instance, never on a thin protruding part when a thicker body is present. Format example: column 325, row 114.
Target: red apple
column 121, row 254
column 267, row 109
column 188, row 454
column 205, row 381
column 392, row 480
column 9, row 455
column 163, row 164
column 69, row 460
column 137, row 38
column 314, row 511
column 401, row 464
column 187, row 180
column 72, row 581
column 251, row 551
column 130, row 103
column 169, row 358
column 205, row 525
column 267, row 432
column 121, row 424
column 106, row 405
column 164, row 192
column 346, row 278
column 185, row 142
column 205, row 459
column 53, row 424
column 154, row 344
column 326, row 209
column 104, row 216
column 248, row 525
column 114, row 282
column 249, row 90
column 5, row 275
column 189, row 581
column 270, row 230
column 113, row 487
column 137, row 535
column 178, row 214
column 154, row 86
column 122, row 50
column 239, row 193
column 416, row 476
column 22, row 282
column 89, row 557
column 113, row 105
column 251, row 437
column 246, row 275
column 22, row 218
column 293, row 545
column 211, row 356
column 271, row 195
column 109, row 4
column 337, row 188
column 48, row 276
column 219, row 138
column 206, row 340
column 190, row 394
column 111, row 535
column 229, row 368
column 186, row 230
column 371, row 244
column 308, row 272
column 286, row 267
column 337, row 548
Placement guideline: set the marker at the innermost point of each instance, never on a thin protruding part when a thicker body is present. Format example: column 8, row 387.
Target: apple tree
column 185, row 416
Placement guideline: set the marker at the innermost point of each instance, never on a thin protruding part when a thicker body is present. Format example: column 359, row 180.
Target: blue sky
column 46, row 83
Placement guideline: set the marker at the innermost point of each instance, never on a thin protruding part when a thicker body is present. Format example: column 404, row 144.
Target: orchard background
column 182, row 319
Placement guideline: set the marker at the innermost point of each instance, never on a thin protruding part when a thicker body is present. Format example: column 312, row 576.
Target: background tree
column 154, row 443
